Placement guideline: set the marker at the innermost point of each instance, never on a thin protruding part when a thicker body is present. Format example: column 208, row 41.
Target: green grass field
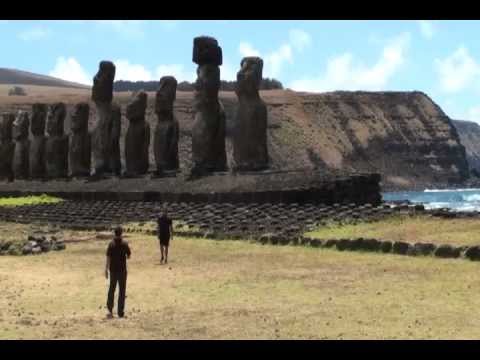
column 28, row 200
column 239, row 290
column 410, row 229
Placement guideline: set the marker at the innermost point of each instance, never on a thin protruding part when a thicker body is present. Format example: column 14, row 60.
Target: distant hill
column 19, row 77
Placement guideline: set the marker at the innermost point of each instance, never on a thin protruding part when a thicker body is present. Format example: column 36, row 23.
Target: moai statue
column 79, row 147
column 165, row 140
column 250, row 133
column 57, row 142
column 38, row 142
column 114, row 164
column 22, row 145
column 208, row 132
column 102, row 95
column 137, row 139
column 7, row 146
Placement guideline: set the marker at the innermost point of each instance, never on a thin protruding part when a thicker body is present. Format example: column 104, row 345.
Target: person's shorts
column 165, row 241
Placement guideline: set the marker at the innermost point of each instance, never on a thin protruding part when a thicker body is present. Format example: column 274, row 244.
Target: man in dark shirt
column 117, row 253
column 165, row 232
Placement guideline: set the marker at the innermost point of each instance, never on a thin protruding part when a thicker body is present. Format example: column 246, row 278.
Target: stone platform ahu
column 80, row 164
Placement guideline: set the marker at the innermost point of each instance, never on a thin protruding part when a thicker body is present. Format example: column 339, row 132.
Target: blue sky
column 440, row 58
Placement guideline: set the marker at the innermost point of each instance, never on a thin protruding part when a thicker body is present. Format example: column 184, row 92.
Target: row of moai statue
column 58, row 155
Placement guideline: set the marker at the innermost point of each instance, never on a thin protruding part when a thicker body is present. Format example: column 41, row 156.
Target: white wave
column 450, row 190
column 471, row 198
column 438, row 205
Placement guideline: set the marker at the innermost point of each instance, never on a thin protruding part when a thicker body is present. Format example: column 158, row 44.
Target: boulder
column 32, row 243
column 46, row 246
column 400, row 247
column 419, row 207
column 58, row 246
column 27, row 249
column 5, row 245
column 371, row 244
column 447, row 251
column 330, row 243
column 473, row 253
column 343, row 244
column 423, row 249
column 315, row 242
column 356, row 244
column 36, row 250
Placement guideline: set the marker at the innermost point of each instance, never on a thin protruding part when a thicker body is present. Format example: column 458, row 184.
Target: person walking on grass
column 165, row 233
column 117, row 253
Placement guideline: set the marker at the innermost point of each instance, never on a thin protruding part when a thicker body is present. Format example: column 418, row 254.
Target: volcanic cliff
column 469, row 133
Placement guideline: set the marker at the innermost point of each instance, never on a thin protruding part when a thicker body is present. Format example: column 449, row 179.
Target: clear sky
column 440, row 58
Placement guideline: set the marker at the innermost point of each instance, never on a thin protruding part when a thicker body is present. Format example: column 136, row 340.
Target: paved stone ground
column 219, row 218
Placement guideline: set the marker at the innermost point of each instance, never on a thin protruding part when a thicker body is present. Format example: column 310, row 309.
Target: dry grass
column 409, row 229
column 239, row 290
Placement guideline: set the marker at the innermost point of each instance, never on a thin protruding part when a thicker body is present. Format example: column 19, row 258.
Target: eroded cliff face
column 404, row 136
column 469, row 133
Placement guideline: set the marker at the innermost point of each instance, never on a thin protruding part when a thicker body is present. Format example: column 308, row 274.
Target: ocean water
column 456, row 200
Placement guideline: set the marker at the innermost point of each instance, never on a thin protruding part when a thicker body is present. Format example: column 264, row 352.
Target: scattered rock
column 473, row 253
column 330, row 243
column 27, row 249
column 400, row 247
column 315, row 242
column 423, row 249
column 447, row 251
column 5, row 245
column 371, row 244
column 36, row 250
column 385, row 246
column 343, row 244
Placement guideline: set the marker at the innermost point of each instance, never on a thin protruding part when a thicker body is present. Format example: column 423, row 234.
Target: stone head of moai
column 6, row 126
column 137, row 106
column 79, row 118
column 20, row 126
column 39, row 117
column 166, row 94
column 208, row 82
column 206, row 51
column 116, row 121
column 250, row 76
column 55, row 119
column 102, row 90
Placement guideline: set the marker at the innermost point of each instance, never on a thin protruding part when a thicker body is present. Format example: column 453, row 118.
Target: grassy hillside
column 14, row 76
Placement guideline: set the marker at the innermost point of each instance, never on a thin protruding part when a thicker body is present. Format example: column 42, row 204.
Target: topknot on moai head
column 249, row 77
column 39, row 117
column 166, row 94
column 79, row 117
column 102, row 90
column 137, row 106
column 6, row 126
column 206, row 51
column 56, row 118
column 20, row 125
